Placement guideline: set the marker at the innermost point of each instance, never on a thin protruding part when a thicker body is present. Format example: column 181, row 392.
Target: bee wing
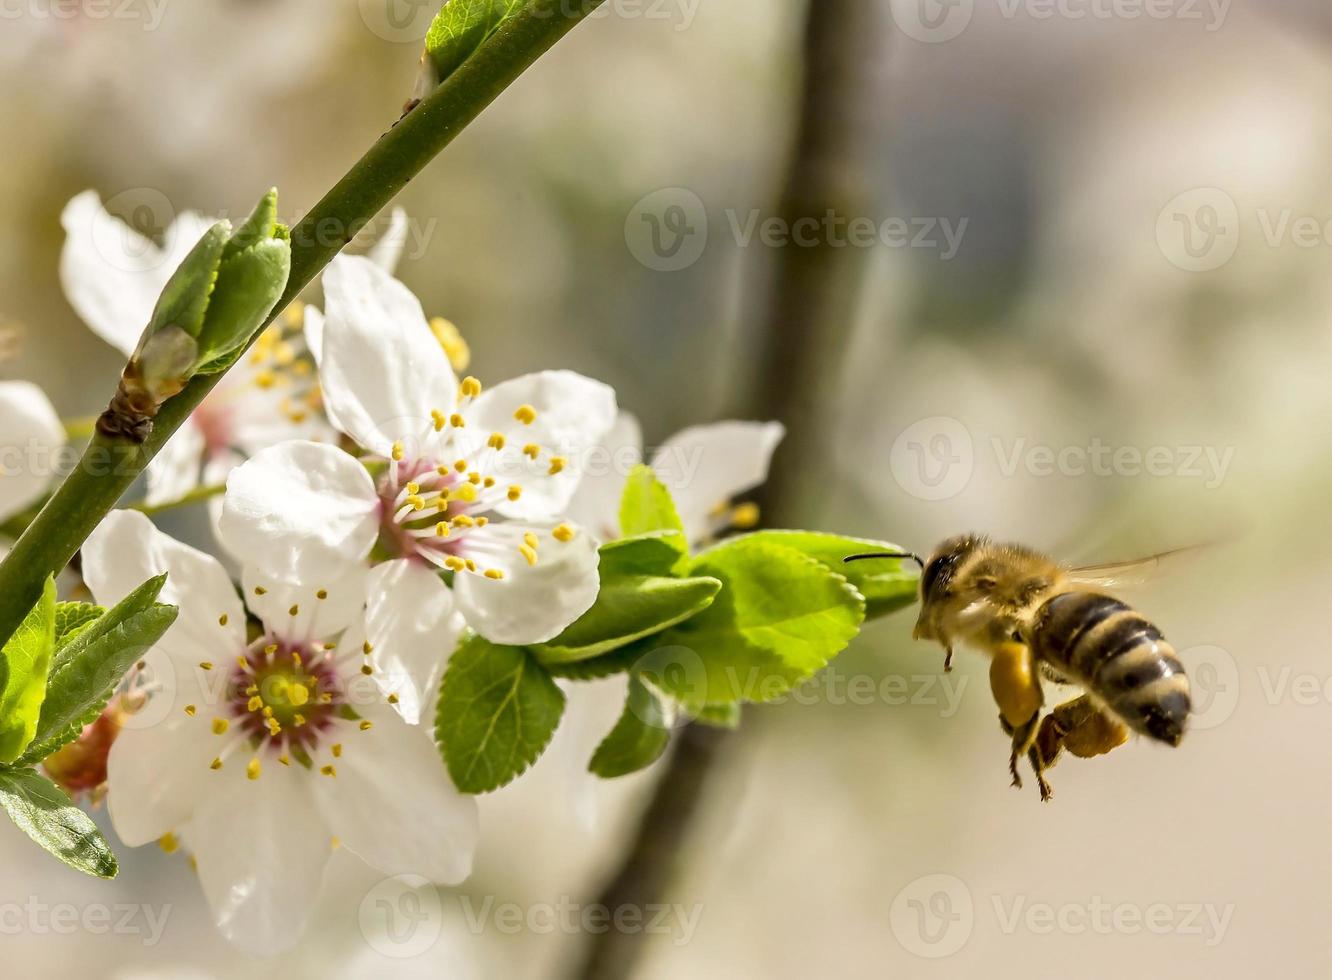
column 1128, row 574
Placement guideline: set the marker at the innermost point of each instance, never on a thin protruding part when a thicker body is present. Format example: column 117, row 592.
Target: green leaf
column 650, row 553
column 141, row 599
column 461, row 27
column 41, row 810
column 498, row 709
column 71, row 617
column 27, row 658
column 638, row 738
column 629, row 608
column 184, row 300
column 779, row 619
column 719, row 716
column 647, row 506
column 81, row 687
column 597, row 668
column 887, row 585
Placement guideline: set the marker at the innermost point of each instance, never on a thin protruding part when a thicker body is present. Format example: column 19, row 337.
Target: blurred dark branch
column 806, row 314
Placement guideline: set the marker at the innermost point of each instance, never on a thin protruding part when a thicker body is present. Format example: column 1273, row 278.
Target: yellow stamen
column 366, row 726
column 205, row 665
column 455, row 347
column 525, row 414
column 515, row 492
column 532, row 450
column 745, row 516
column 494, row 573
column 564, row 533
column 557, row 464
column 252, row 770
column 216, row 764
column 470, row 387
column 496, row 440
column 337, row 750
column 329, row 771
column 528, row 553
column 169, row 843
column 398, row 452
column 222, row 620
column 190, row 710
column 531, row 540
column 220, row 726
column 457, row 421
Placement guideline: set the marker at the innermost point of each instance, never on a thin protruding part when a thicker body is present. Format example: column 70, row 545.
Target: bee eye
column 985, row 583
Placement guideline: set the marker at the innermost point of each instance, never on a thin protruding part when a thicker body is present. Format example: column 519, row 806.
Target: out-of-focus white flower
column 271, row 752
column 473, row 483
column 705, row 467
column 31, row 436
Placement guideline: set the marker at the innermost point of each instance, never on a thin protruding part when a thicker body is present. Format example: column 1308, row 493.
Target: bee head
column 937, row 577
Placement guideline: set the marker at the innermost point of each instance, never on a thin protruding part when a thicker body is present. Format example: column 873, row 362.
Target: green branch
column 110, row 465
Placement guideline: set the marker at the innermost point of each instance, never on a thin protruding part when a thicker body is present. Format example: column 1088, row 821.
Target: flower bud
column 212, row 305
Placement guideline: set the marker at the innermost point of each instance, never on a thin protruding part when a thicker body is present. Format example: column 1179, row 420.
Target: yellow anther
column 190, row 710
column 337, row 750
column 488, row 482
column 460, row 466
column 392, row 699
column 274, row 728
column 496, row 440
column 367, row 648
column 474, row 478
column 494, row 573
column 216, row 764
column 416, row 503
column 531, row 540
column 470, row 387
column 451, row 340
column 457, row 421
column 745, row 516
column 296, row 658
column 471, row 565
column 270, row 649
column 529, row 553
column 442, row 529
column 455, row 564
column 557, row 464
column 295, row 610
column 329, row 771
column 205, row 665
column 298, row 720
column 260, row 590
column 482, row 521
column 398, row 452
column 440, row 419
column 525, row 414
column 532, row 450
column 464, row 520
column 242, row 663
column 563, row 533
column 265, row 379
column 169, row 843
column 444, row 470
column 367, row 670
column 413, row 489
column 515, row 492
column 252, row 769
column 252, row 689
column 255, row 703
column 366, row 726
column 222, row 620
column 284, row 759
column 465, row 492
column 326, row 698
column 298, row 695
column 220, row 726
column 268, row 711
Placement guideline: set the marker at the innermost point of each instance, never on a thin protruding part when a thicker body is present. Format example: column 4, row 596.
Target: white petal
column 174, row 472
column 573, row 415
column 30, row 437
column 126, row 550
column 314, row 333
column 301, row 512
column 112, row 275
column 261, row 849
column 393, row 805
column 704, row 467
column 412, row 628
column 387, row 252
column 297, row 613
column 383, row 371
column 596, row 504
column 532, row 603
column 156, row 774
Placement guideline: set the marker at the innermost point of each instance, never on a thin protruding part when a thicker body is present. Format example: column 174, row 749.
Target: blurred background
column 1080, row 300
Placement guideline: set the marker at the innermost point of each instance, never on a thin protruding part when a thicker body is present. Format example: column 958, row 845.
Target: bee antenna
column 887, row 554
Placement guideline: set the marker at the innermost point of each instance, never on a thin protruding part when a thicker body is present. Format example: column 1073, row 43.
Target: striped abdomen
column 1118, row 656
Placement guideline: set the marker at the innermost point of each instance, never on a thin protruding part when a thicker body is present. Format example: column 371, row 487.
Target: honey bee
column 1037, row 618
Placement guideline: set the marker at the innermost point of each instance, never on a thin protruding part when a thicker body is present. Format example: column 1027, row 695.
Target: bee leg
column 1017, row 690
column 1081, row 728
column 948, row 659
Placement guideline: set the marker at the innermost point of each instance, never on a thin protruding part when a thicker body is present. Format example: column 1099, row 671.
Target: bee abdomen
column 1119, row 656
